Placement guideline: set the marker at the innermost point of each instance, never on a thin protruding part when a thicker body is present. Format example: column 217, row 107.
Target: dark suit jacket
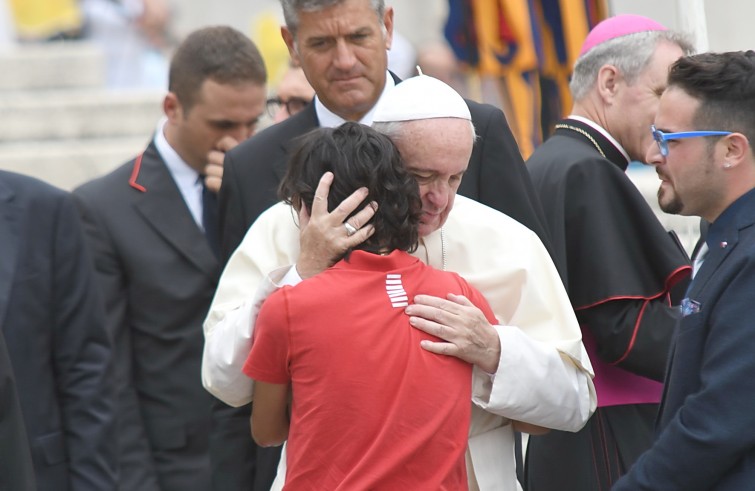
column 16, row 469
column 706, row 438
column 158, row 275
column 496, row 176
column 52, row 320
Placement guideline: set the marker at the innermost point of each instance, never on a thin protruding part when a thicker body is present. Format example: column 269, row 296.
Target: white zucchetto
column 421, row 97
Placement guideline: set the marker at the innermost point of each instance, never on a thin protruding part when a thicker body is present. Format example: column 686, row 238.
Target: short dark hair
column 358, row 156
column 724, row 83
column 218, row 53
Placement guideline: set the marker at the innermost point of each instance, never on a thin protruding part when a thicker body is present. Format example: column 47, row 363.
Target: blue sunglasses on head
column 662, row 138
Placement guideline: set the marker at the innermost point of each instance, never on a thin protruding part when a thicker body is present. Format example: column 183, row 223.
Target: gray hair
column 291, row 9
column 395, row 129
column 630, row 54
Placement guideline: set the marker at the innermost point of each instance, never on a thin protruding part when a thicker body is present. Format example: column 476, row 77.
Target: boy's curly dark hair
column 358, row 156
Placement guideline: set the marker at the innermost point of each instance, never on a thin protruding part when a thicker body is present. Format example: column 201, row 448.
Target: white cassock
column 544, row 376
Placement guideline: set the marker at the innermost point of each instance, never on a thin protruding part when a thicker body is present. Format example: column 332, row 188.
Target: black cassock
column 624, row 273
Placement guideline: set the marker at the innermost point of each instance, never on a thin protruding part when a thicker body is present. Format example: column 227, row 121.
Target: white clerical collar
column 329, row 119
column 185, row 176
column 592, row 124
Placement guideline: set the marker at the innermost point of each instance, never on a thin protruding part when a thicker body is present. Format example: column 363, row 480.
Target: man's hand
column 214, row 168
column 324, row 237
column 468, row 334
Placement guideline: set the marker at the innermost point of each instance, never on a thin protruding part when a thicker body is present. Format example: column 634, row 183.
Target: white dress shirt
column 186, row 178
column 329, row 119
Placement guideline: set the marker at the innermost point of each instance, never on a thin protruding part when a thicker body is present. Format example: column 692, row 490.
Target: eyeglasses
column 293, row 105
column 662, row 138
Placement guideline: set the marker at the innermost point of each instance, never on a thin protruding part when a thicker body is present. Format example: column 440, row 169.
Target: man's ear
column 607, row 82
column 388, row 24
column 172, row 107
column 737, row 149
column 290, row 40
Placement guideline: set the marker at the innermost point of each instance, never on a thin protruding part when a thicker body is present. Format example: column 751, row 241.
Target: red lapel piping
column 135, row 174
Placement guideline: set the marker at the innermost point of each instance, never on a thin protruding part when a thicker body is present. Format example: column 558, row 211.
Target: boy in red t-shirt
column 370, row 409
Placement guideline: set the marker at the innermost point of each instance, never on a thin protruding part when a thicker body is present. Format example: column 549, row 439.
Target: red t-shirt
column 371, row 409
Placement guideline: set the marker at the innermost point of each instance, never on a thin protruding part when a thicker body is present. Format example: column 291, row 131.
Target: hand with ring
column 462, row 327
column 325, row 236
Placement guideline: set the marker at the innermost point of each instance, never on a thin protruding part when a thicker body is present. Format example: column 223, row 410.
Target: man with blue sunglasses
column 705, row 438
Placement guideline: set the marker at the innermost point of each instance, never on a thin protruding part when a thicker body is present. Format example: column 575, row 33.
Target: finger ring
column 350, row 230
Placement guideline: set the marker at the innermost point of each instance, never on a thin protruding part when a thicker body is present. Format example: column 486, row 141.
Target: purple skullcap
column 618, row 26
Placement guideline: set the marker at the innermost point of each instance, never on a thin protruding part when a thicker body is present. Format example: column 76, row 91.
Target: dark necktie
column 210, row 218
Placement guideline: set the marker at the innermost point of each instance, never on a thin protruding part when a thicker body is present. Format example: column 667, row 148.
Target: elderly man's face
column 437, row 152
column 342, row 50
column 635, row 106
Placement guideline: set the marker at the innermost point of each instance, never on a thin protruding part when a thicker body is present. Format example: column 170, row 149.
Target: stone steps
column 69, row 163
column 59, row 122
column 77, row 114
column 51, row 65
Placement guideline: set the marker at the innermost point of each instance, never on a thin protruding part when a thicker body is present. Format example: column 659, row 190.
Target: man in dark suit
column 153, row 228
column 341, row 45
column 52, row 320
column 16, row 469
column 704, row 158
